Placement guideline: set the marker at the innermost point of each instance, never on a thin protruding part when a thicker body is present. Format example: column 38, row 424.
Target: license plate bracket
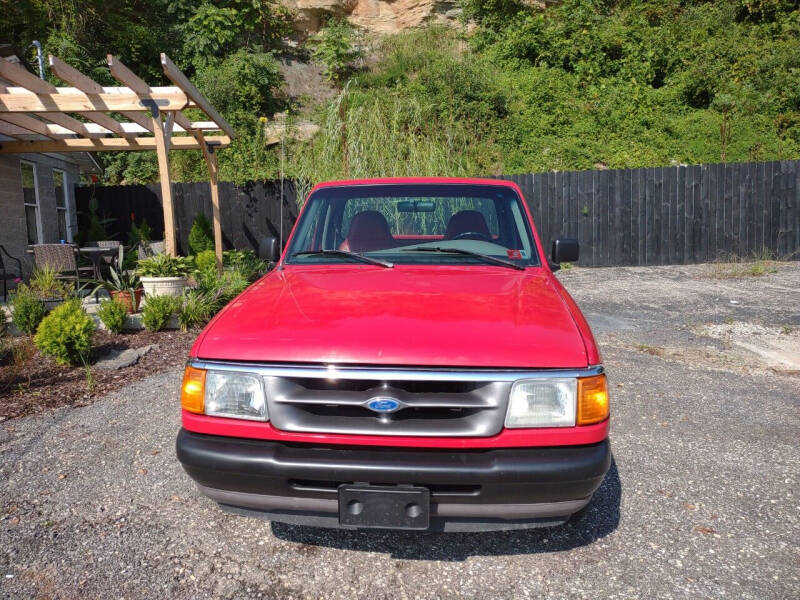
column 386, row 507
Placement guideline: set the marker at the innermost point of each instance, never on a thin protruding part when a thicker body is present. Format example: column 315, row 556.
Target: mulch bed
column 32, row 383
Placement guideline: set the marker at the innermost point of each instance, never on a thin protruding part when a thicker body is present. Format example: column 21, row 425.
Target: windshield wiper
column 483, row 257
column 344, row 254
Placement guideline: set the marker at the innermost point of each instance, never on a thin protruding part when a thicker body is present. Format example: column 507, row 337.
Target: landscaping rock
column 126, row 358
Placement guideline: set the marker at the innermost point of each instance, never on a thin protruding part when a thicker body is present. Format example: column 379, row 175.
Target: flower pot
column 130, row 304
column 163, row 286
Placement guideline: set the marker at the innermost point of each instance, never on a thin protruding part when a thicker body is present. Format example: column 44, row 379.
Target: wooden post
column 213, row 180
column 170, row 247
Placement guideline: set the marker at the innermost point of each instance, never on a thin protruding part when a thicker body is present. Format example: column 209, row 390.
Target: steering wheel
column 472, row 235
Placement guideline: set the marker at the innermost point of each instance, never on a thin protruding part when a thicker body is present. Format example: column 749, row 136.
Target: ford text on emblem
column 383, row 404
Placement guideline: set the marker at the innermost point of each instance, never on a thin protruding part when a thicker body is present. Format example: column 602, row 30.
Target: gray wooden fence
column 652, row 216
column 669, row 215
column 248, row 212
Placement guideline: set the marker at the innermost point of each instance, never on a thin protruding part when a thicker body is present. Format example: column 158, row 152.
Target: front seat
column 368, row 231
column 467, row 221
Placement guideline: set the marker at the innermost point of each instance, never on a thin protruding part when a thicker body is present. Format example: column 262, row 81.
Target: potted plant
column 164, row 275
column 48, row 288
column 124, row 287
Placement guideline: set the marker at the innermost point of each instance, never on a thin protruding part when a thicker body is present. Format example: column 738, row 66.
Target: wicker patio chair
column 7, row 275
column 61, row 258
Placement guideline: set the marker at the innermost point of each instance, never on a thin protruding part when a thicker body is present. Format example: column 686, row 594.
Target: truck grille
column 426, row 407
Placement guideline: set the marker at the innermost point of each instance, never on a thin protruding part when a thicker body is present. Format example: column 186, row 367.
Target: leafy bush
column 205, row 261
column 66, row 334
column 158, row 310
column 27, row 309
column 163, row 265
column 245, row 262
column 113, row 315
column 200, row 236
column 334, row 47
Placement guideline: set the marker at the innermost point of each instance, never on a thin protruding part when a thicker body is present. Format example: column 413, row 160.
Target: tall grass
column 385, row 136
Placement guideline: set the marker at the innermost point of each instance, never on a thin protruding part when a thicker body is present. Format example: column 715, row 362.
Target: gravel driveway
column 700, row 502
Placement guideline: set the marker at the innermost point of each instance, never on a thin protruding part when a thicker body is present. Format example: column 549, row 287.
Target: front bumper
column 502, row 488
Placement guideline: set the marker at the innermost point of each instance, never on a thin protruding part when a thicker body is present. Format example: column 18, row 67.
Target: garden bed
column 32, row 383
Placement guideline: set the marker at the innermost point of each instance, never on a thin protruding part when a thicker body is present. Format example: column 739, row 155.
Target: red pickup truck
column 411, row 363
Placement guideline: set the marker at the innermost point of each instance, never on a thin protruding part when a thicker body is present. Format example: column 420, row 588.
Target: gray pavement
column 701, row 500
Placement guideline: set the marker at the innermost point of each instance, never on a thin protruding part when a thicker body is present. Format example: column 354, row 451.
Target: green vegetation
column 158, row 310
column 46, row 285
column 163, row 265
column 27, row 310
column 66, row 334
column 200, row 236
column 113, row 315
column 335, row 47
column 579, row 85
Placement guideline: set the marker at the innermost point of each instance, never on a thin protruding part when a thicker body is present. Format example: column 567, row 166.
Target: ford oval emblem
column 383, row 404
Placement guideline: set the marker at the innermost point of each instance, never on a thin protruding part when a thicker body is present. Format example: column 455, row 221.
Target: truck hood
column 472, row 316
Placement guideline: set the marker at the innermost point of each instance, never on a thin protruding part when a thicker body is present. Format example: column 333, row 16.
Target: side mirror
column 565, row 250
column 268, row 249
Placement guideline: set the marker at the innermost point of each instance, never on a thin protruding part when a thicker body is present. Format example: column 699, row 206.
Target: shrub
column 205, row 261
column 163, row 265
column 335, row 47
column 200, row 236
column 46, row 285
column 28, row 310
column 113, row 315
column 197, row 308
column 245, row 262
column 158, row 310
column 66, row 334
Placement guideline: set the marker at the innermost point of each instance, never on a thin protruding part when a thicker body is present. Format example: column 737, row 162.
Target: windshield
column 452, row 223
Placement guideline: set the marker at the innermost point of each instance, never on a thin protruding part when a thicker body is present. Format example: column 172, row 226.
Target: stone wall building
column 37, row 201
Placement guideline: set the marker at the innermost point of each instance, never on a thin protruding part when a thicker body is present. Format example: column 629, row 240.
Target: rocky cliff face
column 376, row 16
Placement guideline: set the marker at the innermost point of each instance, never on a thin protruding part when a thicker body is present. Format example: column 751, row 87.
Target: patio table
column 96, row 254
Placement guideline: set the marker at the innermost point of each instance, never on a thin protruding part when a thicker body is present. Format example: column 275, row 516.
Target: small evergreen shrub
column 158, row 310
column 66, row 334
column 200, row 236
column 205, row 261
column 27, row 310
column 113, row 315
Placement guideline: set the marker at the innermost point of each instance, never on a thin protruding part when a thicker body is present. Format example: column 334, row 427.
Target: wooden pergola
column 36, row 116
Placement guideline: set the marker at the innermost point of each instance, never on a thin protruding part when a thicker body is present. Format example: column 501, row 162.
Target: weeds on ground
column 652, row 350
column 758, row 264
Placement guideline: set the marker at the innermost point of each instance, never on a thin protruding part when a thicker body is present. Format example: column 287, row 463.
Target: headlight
column 237, row 395
column 542, row 403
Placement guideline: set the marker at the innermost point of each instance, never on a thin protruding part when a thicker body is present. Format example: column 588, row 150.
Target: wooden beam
column 128, row 129
column 106, row 144
column 14, row 131
column 127, row 77
column 162, row 151
column 210, row 156
column 175, row 75
column 31, row 124
column 73, row 100
column 18, row 75
column 87, row 85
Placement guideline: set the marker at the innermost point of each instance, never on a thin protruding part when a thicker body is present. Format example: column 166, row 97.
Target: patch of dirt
column 32, row 383
column 777, row 348
column 739, row 346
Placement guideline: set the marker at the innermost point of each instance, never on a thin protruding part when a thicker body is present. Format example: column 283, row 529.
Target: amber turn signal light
column 193, row 390
column 592, row 399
